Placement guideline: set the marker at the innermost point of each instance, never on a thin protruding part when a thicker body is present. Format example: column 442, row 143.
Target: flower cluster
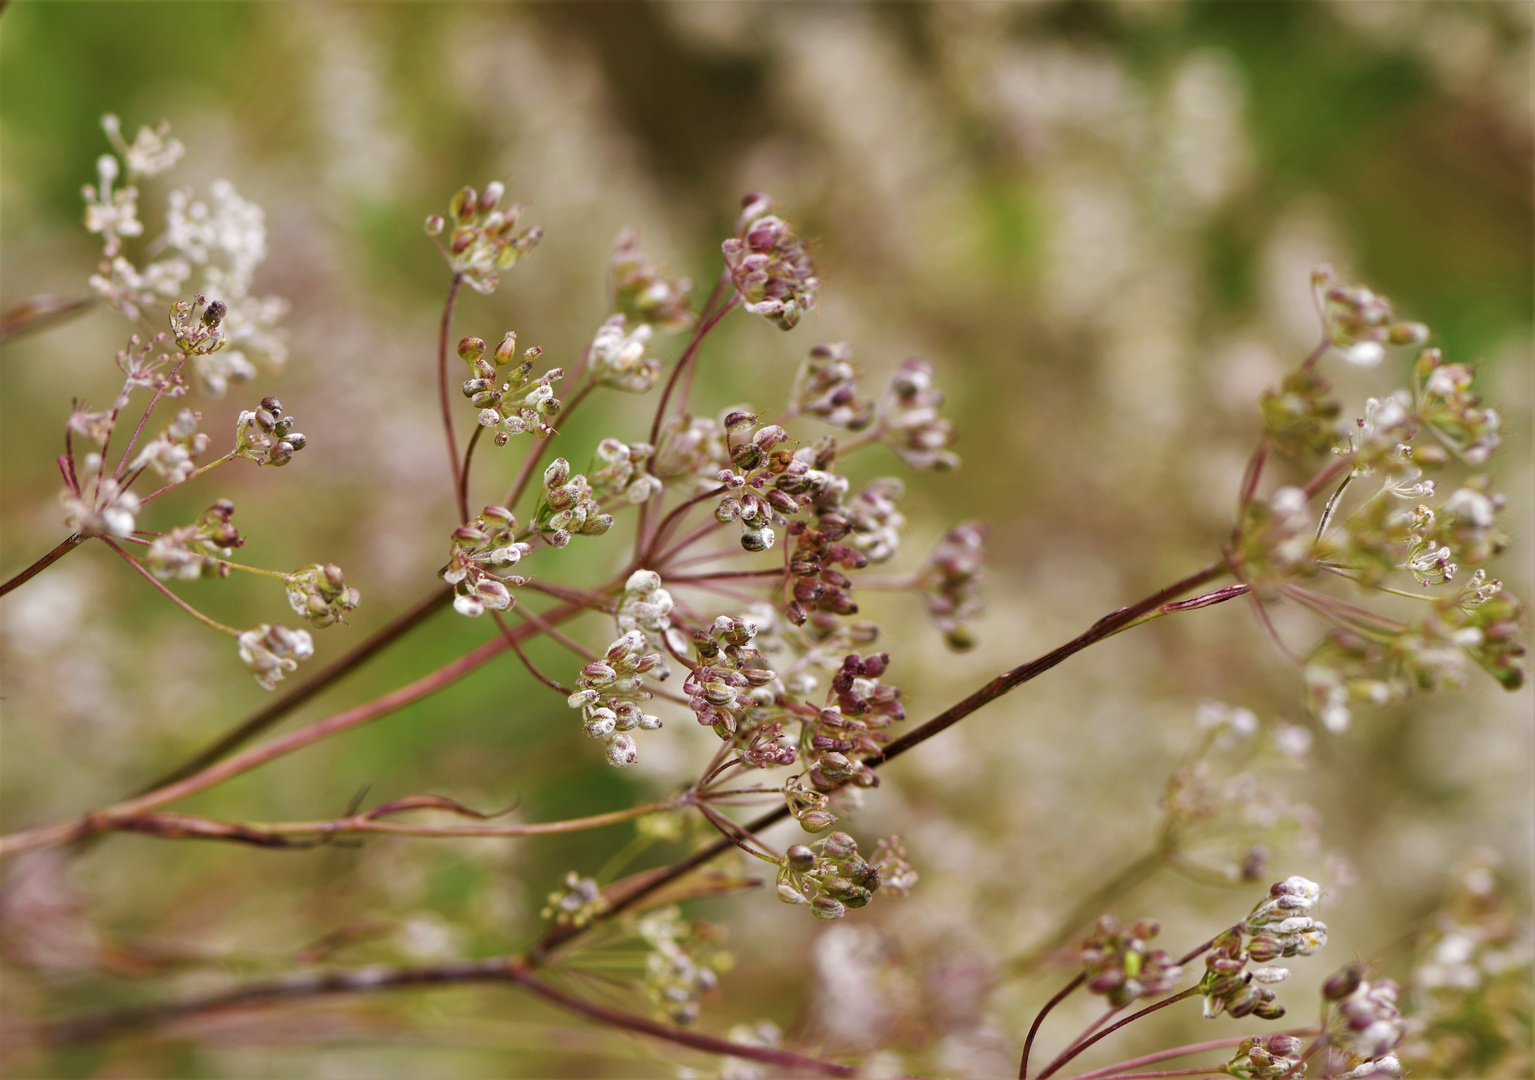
column 1450, row 409
column 489, row 541
column 113, row 214
column 618, row 469
column 829, row 875
column 173, row 451
column 645, row 606
column 152, row 150
column 506, row 404
column 273, row 651
column 770, row 267
column 758, row 460
column 874, row 524
column 188, row 552
column 896, row 875
column 109, row 511
column 618, row 359
column 609, row 692
column 484, row 239
column 827, row 389
column 566, row 507
column 1260, row 1057
column 909, row 420
column 1277, row 926
column 680, row 968
column 689, row 446
column 1358, row 323
column 1367, row 1025
column 265, row 436
column 1118, row 965
column 642, row 293
column 1301, row 415
column 198, row 334
column 859, row 709
column 726, row 680
column 952, row 580
column 319, row 593
column 577, row 903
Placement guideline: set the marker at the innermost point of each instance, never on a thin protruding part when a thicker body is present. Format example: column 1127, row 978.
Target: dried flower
column 769, row 266
column 320, row 594
column 1267, row 1058
column 643, row 293
column 484, row 239
column 273, row 651
column 265, row 436
column 566, row 507
column 173, row 451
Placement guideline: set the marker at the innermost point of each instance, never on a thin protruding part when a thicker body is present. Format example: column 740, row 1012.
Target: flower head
column 769, row 267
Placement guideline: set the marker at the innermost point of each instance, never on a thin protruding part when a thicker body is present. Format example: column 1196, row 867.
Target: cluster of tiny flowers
column 689, row 446
column 113, row 214
column 319, row 593
column 1358, row 323
column 506, row 404
column 566, row 507
column 874, row 522
column 952, row 580
column 1301, row 415
column 896, row 875
column 198, row 333
column 1449, row 407
column 726, row 680
column 679, row 970
column 173, row 452
column 1261, row 1057
column 770, row 267
column 188, row 552
column 647, row 607
column 147, row 365
column 1118, row 965
column 273, row 651
column 225, row 237
column 618, row 359
column 109, row 511
column 818, row 591
column 577, row 903
column 829, row 875
column 619, row 469
column 758, row 459
column 1278, row 926
column 827, row 389
column 487, row 544
column 609, row 692
column 1367, row 1025
column 909, row 421
column 643, row 293
column 265, row 436
column 483, row 239
column 859, row 710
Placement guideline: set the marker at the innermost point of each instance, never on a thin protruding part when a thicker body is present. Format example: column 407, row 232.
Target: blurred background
column 1098, row 221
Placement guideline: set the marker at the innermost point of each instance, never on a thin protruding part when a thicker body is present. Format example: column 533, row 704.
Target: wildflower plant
column 792, row 694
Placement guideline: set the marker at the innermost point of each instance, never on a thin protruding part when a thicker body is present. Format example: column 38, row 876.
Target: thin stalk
column 41, row 312
column 178, row 601
column 1060, row 996
column 511, row 639
column 1072, row 1051
column 463, row 473
column 191, row 827
column 68, row 544
column 1332, row 506
column 444, row 333
column 117, row 473
column 668, row 523
column 177, row 483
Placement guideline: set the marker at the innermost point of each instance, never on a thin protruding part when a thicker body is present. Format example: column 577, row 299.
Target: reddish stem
column 1028, row 1043
column 442, row 394
column 68, row 544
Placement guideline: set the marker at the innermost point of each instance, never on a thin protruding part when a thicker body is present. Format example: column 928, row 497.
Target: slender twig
column 41, row 312
column 178, row 601
column 536, row 451
column 177, row 483
column 192, row 827
column 511, row 639
column 444, row 333
column 1332, row 506
column 68, row 544
column 463, row 473
column 1028, row 1043
column 117, row 473
column 668, row 523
